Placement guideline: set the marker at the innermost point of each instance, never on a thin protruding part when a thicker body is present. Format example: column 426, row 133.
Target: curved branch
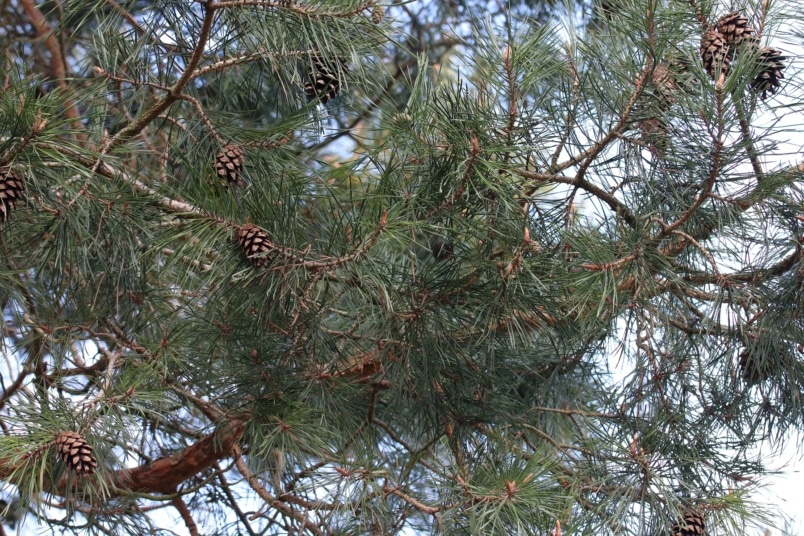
column 165, row 474
column 132, row 129
column 751, row 276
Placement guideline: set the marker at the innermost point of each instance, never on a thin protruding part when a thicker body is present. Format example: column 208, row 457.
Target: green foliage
column 522, row 276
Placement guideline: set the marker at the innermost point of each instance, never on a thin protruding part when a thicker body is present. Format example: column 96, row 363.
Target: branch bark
column 164, row 475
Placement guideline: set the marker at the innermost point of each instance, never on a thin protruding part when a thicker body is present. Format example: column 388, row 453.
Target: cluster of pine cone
column 731, row 35
column 323, row 85
column 72, row 448
column 253, row 240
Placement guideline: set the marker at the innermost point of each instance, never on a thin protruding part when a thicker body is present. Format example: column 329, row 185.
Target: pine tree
column 478, row 275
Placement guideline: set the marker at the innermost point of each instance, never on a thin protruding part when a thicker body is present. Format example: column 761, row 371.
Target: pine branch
column 181, row 506
column 232, row 501
column 162, row 476
column 419, row 390
column 617, row 206
column 279, row 505
column 293, row 8
column 132, row 129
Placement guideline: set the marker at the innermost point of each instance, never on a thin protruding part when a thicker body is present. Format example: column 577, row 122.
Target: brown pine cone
column 229, row 164
column 76, row 453
column 715, row 52
column 254, row 242
column 11, row 191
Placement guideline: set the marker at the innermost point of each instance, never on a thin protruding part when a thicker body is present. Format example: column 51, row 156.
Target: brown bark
column 165, row 474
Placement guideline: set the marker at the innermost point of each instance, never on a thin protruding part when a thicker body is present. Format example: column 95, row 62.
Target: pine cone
column 402, row 119
column 680, row 71
column 11, row 190
column 735, row 29
column 665, row 84
column 758, row 363
column 76, row 453
column 662, row 77
column 254, row 241
column 769, row 78
column 608, row 8
column 691, row 524
column 750, row 369
column 441, row 249
column 229, row 164
column 377, row 14
column 715, row 52
column 654, row 134
column 324, row 83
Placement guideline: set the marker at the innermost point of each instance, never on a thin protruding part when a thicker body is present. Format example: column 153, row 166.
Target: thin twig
column 232, row 501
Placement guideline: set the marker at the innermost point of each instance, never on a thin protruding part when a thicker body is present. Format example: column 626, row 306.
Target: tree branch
column 57, row 63
column 162, row 476
column 578, row 181
column 253, row 481
column 173, row 95
column 165, row 474
column 181, row 506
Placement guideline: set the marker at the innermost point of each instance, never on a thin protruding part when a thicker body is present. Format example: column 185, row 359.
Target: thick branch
column 162, row 476
column 166, row 474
